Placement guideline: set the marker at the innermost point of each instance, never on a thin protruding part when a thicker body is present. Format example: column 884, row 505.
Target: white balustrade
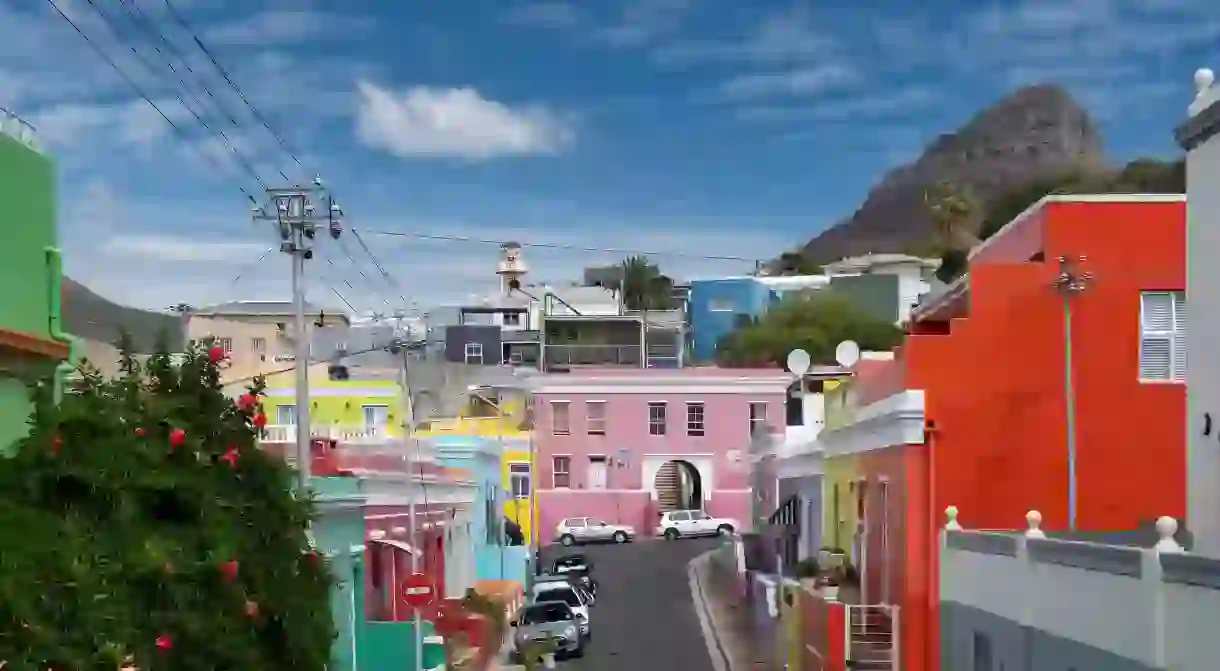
column 951, row 519
column 1033, row 519
column 1166, row 529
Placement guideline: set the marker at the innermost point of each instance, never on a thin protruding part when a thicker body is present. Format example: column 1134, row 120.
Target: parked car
column 578, row 568
column 575, row 580
column 577, row 599
column 689, row 523
column 575, row 530
column 547, row 621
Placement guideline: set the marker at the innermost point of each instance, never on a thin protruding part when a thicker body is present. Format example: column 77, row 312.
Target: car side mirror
column 512, row 623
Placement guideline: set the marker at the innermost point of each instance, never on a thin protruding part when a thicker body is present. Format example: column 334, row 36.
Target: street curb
column 721, row 661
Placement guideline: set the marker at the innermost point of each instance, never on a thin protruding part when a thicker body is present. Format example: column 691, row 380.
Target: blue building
column 719, row 306
column 492, row 558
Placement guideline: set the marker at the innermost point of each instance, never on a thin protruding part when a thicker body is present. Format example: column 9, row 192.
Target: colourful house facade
column 337, row 407
column 626, row 445
column 973, row 409
column 32, row 344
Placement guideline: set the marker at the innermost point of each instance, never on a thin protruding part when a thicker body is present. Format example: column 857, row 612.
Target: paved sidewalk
column 729, row 622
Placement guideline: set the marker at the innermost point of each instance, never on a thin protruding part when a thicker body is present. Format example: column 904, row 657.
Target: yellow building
column 839, row 509
column 507, row 425
column 336, row 407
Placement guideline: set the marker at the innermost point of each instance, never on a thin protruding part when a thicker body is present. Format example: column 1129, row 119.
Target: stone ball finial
column 1204, row 78
column 951, row 519
column 1166, row 527
column 1033, row 520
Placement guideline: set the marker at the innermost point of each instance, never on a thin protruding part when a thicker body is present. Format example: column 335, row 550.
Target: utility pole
column 1070, row 282
column 402, row 345
column 294, row 213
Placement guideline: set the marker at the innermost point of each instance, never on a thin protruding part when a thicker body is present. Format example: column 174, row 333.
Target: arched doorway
column 678, row 486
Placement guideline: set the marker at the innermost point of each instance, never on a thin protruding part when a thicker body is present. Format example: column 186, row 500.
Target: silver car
column 544, row 622
column 575, row 530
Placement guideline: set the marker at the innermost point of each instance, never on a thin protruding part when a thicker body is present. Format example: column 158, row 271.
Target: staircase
column 871, row 641
column 669, row 487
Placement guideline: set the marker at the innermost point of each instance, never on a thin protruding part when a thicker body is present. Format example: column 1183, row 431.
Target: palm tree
column 954, row 211
column 642, row 286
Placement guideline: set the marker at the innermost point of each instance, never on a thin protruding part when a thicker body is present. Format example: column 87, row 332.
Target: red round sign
column 417, row 590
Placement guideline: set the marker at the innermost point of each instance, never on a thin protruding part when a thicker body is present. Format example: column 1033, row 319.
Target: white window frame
column 226, row 344
column 520, row 479
column 760, row 418
column 474, row 350
column 657, row 424
column 364, row 410
column 1172, row 338
column 258, row 345
column 720, row 304
column 696, row 419
column 511, row 319
column 566, row 428
column 566, row 472
column 605, row 462
column 595, row 423
column 282, row 410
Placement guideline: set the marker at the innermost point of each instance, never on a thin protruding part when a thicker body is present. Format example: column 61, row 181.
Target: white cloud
column 898, row 103
column 785, row 37
column 543, row 15
column 180, row 249
column 425, row 122
column 283, row 26
column 797, row 82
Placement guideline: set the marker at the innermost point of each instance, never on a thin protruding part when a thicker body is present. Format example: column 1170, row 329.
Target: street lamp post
column 1070, row 282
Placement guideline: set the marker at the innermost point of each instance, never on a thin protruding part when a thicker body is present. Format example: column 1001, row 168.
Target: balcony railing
column 357, row 434
column 356, row 448
column 19, row 129
column 593, row 355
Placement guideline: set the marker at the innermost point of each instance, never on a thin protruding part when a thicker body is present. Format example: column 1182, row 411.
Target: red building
column 973, row 410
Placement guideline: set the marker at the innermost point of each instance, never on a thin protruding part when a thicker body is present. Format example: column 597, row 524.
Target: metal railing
column 357, row 434
column 593, row 355
column 19, row 129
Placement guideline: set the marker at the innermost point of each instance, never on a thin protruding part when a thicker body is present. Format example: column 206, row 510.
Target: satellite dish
column 847, row 353
column 798, row 362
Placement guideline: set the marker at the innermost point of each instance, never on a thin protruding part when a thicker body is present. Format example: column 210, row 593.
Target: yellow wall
column 517, row 440
column 838, row 525
column 338, row 402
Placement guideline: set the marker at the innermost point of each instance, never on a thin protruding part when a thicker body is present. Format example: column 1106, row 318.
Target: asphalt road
column 644, row 618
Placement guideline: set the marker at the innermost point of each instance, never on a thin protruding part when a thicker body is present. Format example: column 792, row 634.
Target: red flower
column 260, row 420
column 140, row 431
column 56, row 444
column 231, row 456
column 217, row 354
column 251, row 609
column 164, row 643
column 246, row 402
column 230, row 569
column 177, row 437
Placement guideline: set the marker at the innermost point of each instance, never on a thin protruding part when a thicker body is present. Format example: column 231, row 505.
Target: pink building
column 626, row 445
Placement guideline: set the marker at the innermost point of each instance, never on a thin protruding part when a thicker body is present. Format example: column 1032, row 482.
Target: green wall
column 27, row 189
column 876, row 295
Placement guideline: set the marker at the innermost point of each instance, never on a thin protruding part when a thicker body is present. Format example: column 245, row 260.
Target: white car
column 575, row 530
column 687, row 523
column 575, row 598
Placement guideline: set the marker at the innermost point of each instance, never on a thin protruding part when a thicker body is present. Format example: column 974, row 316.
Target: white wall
column 1202, row 335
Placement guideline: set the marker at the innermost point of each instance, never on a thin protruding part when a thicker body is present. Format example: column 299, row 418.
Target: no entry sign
column 417, row 590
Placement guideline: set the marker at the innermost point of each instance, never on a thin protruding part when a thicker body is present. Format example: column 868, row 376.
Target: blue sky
column 706, row 126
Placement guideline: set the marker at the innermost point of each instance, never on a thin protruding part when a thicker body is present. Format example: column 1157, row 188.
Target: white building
column 1198, row 137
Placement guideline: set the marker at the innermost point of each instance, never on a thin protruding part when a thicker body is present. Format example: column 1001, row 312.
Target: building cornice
column 894, row 420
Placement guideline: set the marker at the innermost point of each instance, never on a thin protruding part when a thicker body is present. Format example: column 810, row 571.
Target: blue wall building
column 493, row 558
column 718, row 306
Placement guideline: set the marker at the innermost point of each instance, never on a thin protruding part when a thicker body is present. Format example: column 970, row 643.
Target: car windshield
column 571, row 563
column 566, row 595
column 546, row 612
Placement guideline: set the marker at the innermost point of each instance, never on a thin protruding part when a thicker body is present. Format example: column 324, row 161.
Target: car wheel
column 567, row 540
column 671, row 534
column 620, row 537
column 578, row 652
column 725, row 530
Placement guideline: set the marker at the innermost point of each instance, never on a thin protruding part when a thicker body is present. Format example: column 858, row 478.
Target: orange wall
column 994, row 393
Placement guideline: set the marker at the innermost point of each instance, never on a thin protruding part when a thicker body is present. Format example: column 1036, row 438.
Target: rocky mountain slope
column 88, row 315
column 1034, row 134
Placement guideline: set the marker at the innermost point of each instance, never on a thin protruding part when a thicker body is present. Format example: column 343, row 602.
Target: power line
column 140, row 92
column 258, row 116
column 144, row 61
column 142, row 20
column 380, row 268
column 555, row 245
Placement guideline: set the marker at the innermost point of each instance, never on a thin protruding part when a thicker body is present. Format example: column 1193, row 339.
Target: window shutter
column 1179, row 337
column 1157, row 313
column 1155, row 358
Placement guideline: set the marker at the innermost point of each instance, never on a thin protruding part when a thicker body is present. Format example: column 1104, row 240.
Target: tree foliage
column 815, row 322
column 144, row 526
column 643, row 285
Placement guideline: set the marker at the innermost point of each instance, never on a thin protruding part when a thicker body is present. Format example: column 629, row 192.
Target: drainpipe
column 54, row 266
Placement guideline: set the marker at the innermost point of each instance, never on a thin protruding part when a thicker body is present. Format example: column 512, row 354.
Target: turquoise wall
column 339, row 528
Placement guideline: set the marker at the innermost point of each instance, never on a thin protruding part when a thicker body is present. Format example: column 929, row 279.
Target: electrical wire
column 110, row 25
column 140, row 92
column 258, row 116
column 141, row 20
column 556, row 245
